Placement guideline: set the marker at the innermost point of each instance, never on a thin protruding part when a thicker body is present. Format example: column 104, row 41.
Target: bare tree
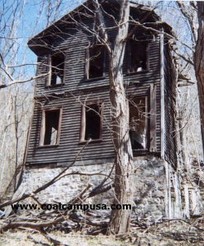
column 199, row 62
column 16, row 85
column 14, row 112
column 120, row 113
column 192, row 52
column 119, row 103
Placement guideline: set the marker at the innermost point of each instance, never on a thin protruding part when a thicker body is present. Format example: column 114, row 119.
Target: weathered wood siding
column 74, row 75
column 76, row 89
column 70, row 130
column 73, row 44
column 170, row 113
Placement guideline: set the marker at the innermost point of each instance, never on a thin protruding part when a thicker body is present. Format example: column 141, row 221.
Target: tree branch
column 46, row 185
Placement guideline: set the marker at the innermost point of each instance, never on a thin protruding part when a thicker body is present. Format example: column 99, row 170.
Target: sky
column 20, row 20
column 32, row 16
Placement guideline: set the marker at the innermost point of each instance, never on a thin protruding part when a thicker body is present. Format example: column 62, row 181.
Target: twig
column 46, row 185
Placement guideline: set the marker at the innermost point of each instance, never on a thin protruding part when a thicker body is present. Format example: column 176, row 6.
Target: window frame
column 49, row 79
column 82, row 135
column 43, row 126
column 87, row 62
column 137, row 152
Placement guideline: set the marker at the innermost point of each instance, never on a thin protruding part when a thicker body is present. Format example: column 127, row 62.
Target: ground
column 26, row 238
column 167, row 233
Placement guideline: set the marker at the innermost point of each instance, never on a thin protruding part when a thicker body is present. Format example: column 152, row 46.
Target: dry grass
column 168, row 233
column 30, row 238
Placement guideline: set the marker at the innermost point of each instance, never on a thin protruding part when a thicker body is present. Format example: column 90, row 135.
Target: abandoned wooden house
column 72, row 99
column 72, row 106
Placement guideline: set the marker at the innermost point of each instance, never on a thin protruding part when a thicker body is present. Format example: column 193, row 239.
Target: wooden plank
column 153, row 118
column 162, row 100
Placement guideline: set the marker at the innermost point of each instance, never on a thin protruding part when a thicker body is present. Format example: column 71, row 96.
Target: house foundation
column 159, row 192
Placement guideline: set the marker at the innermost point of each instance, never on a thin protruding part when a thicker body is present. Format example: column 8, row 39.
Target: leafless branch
column 189, row 16
column 46, row 185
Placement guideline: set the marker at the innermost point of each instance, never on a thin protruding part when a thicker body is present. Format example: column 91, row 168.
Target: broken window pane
column 93, row 122
column 51, row 127
column 95, row 62
column 57, row 69
column 138, row 123
column 137, row 56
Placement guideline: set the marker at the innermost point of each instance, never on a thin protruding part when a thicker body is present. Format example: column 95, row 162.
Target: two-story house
column 72, row 116
column 72, row 94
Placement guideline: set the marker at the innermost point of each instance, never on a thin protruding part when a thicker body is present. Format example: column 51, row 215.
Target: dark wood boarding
column 70, row 95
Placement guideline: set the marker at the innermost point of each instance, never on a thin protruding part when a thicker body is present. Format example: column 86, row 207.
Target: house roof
column 42, row 41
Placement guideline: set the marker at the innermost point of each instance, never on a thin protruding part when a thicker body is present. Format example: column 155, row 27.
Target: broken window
column 57, row 69
column 137, row 56
column 91, row 122
column 138, row 123
column 50, row 127
column 95, row 62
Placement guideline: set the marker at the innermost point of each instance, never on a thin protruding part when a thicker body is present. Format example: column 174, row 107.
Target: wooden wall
column 170, row 113
column 71, row 95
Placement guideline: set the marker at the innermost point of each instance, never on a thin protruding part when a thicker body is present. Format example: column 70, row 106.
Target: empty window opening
column 138, row 123
column 57, row 69
column 137, row 56
column 91, row 123
column 95, row 62
column 51, row 121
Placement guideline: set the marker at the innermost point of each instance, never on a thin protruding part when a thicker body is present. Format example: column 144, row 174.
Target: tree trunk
column 199, row 64
column 120, row 120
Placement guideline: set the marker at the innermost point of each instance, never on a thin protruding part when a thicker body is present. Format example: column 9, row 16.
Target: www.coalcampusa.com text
column 60, row 206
